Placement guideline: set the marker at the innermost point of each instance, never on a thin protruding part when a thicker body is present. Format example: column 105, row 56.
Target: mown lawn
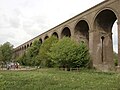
column 54, row 79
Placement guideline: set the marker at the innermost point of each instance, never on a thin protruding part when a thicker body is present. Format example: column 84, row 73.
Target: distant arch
column 46, row 37
column 27, row 45
column 82, row 31
column 55, row 34
column 66, row 32
column 40, row 40
column 30, row 44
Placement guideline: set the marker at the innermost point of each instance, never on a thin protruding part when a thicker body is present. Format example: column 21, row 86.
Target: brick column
column 93, row 41
column 91, row 36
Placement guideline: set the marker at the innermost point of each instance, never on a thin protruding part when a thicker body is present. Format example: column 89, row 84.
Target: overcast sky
column 21, row 20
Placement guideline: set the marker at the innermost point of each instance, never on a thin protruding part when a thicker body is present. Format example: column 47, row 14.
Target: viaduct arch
column 82, row 31
column 66, row 32
column 55, row 34
column 93, row 27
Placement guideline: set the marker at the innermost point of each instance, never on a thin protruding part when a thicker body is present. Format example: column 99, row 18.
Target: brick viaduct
column 93, row 27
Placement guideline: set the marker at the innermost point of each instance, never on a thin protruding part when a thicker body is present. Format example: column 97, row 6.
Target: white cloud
column 115, row 37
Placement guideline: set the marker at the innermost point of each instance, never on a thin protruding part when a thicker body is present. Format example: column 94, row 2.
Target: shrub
column 67, row 53
column 44, row 49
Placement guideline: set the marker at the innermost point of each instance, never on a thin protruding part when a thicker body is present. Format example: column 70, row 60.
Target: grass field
column 54, row 79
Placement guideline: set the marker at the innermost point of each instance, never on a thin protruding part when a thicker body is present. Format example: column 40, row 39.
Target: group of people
column 12, row 65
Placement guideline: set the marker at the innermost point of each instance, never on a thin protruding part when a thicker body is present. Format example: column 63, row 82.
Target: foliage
column 53, row 79
column 6, row 52
column 115, row 57
column 22, row 59
column 1, row 55
column 44, row 49
column 67, row 53
column 29, row 57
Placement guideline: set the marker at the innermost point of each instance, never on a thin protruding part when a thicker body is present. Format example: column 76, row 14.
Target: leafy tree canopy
column 68, row 53
column 29, row 57
column 115, row 58
column 6, row 52
column 44, row 49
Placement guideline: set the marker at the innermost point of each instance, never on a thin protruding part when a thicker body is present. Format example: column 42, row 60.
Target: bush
column 30, row 56
column 44, row 49
column 115, row 58
column 67, row 53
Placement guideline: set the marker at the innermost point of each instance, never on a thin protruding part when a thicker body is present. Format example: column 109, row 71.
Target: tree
column 22, row 59
column 29, row 57
column 67, row 53
column 83, row 59
column 44, row 49
column 115, row 58
column 1, row 55
column 6, row 52
column 32, row 52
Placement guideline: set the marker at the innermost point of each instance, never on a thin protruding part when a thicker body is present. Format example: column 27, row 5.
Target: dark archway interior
column 31, row 44
column 46, row 37
column 82, row 30
column 27, row 45
column 40, row 40
column 104, row 23
column 105, row 20
column 55, row 34
column 66, row 32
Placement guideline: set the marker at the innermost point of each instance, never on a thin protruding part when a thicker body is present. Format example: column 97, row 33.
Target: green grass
column 53, row 79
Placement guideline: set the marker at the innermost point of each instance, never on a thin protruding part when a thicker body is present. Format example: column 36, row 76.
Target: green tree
column 6, row 52
column 32, row 52
column 44, row 49
column 22, row 59
column 29, row 57
column 1, row 55
column 83, row 57
column 67, row 53
column 115, row 58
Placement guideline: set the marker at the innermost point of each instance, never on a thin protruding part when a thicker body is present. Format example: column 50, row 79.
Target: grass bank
column 53, row 79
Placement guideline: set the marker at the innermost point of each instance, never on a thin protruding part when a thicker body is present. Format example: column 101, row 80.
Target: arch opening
column 46, row 37
column 105, row 20
column 55, row 34
column 40, row 40
column 103, row 25
column 27, row 45
column 30, row 44
column 66, row 32
column 82, row 31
